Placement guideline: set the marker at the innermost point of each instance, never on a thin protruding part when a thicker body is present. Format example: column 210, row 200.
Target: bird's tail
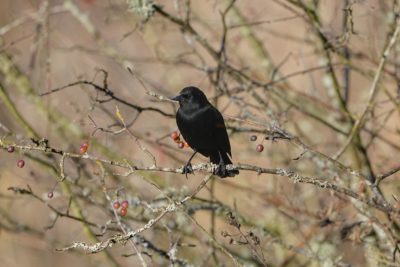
column 214, row 158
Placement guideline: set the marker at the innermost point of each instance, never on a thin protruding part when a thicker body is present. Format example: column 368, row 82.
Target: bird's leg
column 188, row 166
column 221, row 169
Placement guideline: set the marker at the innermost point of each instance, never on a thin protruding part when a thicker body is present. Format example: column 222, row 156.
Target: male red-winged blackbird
column 203, row 128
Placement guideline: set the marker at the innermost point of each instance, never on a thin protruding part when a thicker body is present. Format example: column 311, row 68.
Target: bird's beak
column 177, row 98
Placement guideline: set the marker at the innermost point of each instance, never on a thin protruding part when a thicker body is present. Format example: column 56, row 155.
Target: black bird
column 203, row 128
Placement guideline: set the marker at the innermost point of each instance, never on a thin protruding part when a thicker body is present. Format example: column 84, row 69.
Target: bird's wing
column 204, row 130
column 220, row 133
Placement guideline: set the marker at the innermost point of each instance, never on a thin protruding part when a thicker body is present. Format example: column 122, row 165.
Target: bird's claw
column 221, row 171
column 187, row 169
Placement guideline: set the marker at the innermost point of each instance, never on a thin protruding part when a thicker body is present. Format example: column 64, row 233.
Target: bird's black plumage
column 203, row 128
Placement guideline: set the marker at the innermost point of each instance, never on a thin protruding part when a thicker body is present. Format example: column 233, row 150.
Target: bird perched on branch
column 203, row 128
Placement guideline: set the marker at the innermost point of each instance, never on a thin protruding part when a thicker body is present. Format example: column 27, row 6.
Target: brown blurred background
column 50, row 44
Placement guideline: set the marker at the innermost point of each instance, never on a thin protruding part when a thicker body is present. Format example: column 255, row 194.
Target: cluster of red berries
column 177, row 139
column 260, row 147
column 21, row 162
column 123, row 205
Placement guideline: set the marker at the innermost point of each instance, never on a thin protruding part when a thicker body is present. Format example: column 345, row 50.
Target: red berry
column 260, row 148
column 174, row 135
column 50, row 194
column 123, row 212
column 125, row 204
column 253, row 138
column 10, row 149
column 181, row 144
column 21, row 163
column 116, row 204
column 83, row 148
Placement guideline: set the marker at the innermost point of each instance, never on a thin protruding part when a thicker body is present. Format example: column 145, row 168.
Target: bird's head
column 191, row 97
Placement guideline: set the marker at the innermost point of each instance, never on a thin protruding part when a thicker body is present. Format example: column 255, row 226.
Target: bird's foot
column 221, row 171
column 187, row 169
